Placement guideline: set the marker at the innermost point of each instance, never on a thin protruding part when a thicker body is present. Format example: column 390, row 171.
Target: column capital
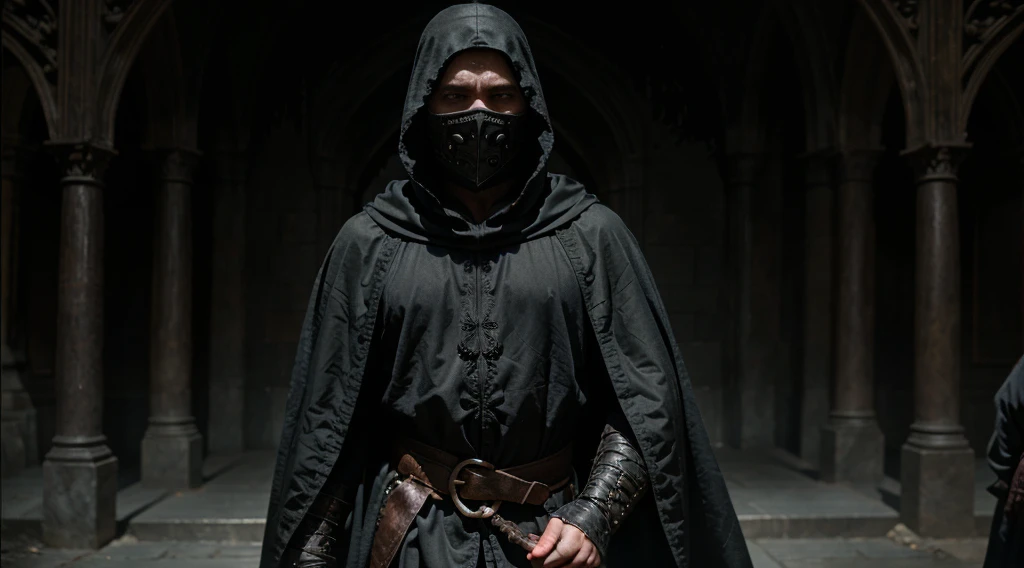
column 82, row 162
column 229, row 165
column 176, row 164
column 932, row 162
column 819, row 167
column 858, row 164
column 742, row 168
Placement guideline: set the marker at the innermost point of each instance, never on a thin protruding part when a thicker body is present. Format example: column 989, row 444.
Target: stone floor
column 789, row 518
column 766, row 553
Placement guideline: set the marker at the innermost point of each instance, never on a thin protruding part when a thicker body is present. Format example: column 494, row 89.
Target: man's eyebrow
column 456, row 87
column 460, row 87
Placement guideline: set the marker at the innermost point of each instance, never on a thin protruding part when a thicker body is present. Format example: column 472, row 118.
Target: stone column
column 817, row 323
column 19, row 433
column 852, row 444
column 747, row 410
column 937, row 497
column 172, row 449
column 80, row 471
column 227, row 305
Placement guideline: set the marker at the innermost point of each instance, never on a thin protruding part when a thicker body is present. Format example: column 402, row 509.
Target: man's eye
column 503, row 95
column 452, row 96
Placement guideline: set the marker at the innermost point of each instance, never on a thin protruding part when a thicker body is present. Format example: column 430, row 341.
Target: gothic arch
column 907, row 68
column 748, row 132
column 982, row 56
column 172, row 98
column 865, row 88
column 813, row 54
column 997, row 91
column 127, row 40
column 32, row 46
column 21, row 106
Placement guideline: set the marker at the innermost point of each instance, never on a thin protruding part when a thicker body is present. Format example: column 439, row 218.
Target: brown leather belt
column 430, row 472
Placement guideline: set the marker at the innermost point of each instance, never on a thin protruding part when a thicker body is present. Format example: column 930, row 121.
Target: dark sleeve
column 1007, row 443
column 617, row 482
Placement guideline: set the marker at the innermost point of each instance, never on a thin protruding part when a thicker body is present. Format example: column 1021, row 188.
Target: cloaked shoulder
column 602, row 237
column 358, row 238
column 599, row 220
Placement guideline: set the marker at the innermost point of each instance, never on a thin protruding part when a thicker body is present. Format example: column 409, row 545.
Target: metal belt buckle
column 453, row 482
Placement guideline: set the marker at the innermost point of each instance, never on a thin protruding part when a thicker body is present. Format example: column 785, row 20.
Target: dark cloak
column 1006, row 538
column 687, row 516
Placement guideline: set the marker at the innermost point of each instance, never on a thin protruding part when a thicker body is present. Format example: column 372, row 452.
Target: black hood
column 417, row 208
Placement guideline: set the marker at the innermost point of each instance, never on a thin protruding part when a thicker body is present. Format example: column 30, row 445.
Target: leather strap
column 403, row 504
column 529, row 483
column 427, row 472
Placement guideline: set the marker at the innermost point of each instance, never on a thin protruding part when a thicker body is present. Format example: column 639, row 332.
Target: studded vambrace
column 617, row 482
column 318, row 532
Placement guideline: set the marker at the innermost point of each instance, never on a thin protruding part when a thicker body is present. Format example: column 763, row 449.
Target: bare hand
column 1015, row 496
column 564, row 545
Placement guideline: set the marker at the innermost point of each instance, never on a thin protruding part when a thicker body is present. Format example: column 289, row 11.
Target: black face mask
column 476, row 147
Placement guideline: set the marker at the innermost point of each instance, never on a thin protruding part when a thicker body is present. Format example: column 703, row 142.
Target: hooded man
column 1006, row 458
column 486, row 375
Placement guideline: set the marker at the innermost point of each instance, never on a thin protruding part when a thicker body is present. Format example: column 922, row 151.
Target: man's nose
column 478, row 104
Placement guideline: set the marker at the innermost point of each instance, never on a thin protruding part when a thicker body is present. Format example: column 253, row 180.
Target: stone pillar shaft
column 937, row 499
column 172, row 446
column 853, row 448
column 817, row 324
column 937, row 306
column 854, row 392
column 745, row 425
column 80, row 472
column 171, row 361
column 227, row 306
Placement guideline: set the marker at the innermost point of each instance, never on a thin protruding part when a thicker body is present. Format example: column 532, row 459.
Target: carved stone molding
column 82, row 161
column 907, row 9
column 936, row 162
column 229, row 166
column 176, row 165
column 984, row 15
column 743, row 167
column 114, row 11
column 858, row 165
column 819, row 168
column 35, row 23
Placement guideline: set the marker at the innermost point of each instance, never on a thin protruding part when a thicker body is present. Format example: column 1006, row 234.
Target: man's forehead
column 479, row 61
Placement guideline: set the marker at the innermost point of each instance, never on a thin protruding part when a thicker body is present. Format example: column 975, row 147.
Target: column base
column 852, row 450
column 79, row 493
column 937, row 495
column 172, row 454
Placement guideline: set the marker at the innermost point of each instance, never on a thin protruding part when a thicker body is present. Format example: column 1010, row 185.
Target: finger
column 595, row 559
column 547, row 541
column 568, row 546
column 580, row 560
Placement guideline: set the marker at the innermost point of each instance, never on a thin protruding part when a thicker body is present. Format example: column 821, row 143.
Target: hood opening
column 423, row 209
